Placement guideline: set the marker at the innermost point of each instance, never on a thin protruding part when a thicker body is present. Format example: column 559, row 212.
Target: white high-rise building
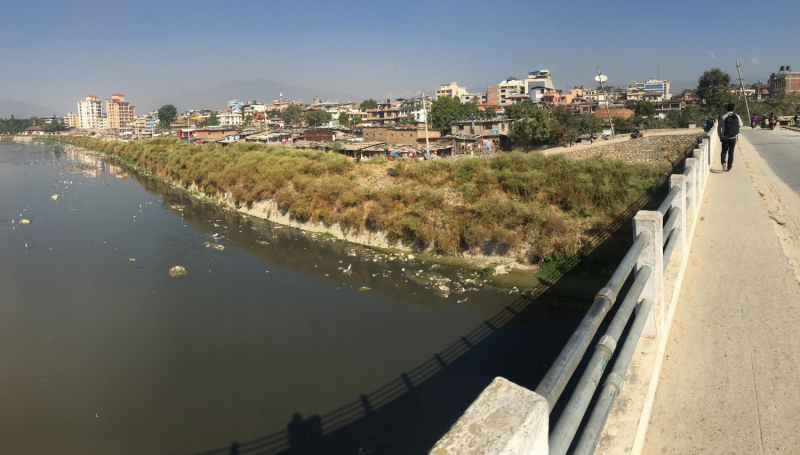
column 89, row 112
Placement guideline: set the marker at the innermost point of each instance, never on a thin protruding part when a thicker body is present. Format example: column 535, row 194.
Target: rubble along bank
column 511, row 207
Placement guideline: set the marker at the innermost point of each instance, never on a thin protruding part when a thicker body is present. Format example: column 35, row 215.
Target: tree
column 274, row 113
column 356, row 119
column 343, row 120
column 591, row 125
column 489, row 112
column 166, row 115
column 443, row 113
column 525, row 109
column 248, row 119
column 714, row 87
column 535, row 130
column 316, row 117
column 565, row 125
column 369, row 104
column 630, row 104
column 645, row 108
column 211, row 120
column 622, row 125
column 291, row 114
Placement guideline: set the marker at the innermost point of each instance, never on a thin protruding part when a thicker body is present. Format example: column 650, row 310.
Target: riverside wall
column 649, row 149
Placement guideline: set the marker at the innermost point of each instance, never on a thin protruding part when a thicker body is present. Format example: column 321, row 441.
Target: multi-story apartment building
column 120, row 114
column 510, row 89
column 657, row 86
column 452, row 89
column 71, row 120
column 538, row 84
column 784, row 82
column 385, row 114
column 413, row 109
column 89, row 112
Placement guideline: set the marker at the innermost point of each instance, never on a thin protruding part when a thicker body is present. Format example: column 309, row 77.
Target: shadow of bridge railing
column 358, row 427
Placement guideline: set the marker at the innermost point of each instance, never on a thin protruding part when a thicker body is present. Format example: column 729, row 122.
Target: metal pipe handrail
column 587, row 442
column 673, row 193
column 570, row 419
column 556, row 378
column 673, row 217
column 673, row 239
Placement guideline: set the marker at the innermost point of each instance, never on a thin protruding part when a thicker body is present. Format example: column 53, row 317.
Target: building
column 538, row 84
column 119, row 113
column 34, row 130
column 785, row 81
column 235, row 106
column 413, row 110
column 398, row 135
column 89, row 112
column 385, row 114
column 493, row 95
column 469, row 97
column 510, row 87
column 71, row 120
column 452, row 89
column 657, row 86
column 230, row 118
column 663, row 107
column 613, row 111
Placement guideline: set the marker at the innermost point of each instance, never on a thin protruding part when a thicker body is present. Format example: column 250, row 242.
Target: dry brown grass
column 544, row 205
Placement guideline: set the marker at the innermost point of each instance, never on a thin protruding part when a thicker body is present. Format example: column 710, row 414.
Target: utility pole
column 747, row 105
column 427, row 142
column 600, row 78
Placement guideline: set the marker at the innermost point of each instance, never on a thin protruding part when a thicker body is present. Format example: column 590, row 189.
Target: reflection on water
column 265, row 346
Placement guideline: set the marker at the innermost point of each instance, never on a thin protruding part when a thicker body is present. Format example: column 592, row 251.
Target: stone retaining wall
column 653, row 149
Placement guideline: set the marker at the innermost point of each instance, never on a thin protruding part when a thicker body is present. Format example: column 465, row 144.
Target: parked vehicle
column 636, row 134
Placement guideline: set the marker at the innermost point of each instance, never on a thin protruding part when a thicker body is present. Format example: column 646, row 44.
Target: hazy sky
column 55, row 53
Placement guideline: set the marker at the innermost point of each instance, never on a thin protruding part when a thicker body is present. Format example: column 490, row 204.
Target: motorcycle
column 636, row 134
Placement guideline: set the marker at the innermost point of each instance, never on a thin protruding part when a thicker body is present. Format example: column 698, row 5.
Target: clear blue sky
column 54, row 53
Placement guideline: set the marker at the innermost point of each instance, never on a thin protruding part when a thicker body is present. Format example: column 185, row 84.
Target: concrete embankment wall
column 649, row 149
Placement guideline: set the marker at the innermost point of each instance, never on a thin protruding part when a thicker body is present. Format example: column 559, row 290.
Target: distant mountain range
column 20, row 109
column 261, row 90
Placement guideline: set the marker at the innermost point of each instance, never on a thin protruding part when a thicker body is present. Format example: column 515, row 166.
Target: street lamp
column 600, row 78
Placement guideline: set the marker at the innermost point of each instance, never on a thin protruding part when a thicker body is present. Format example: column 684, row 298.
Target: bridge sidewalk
column 730, row 381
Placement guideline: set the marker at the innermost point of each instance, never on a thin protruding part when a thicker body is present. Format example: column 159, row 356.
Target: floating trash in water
column 55, row 197
column 132, row 259
column 263, row 242
column 24, row 221
column 364, row 288
column 178, row 270
column 214, row 245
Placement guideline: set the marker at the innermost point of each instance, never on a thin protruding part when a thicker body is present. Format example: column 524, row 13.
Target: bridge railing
column 658, row 236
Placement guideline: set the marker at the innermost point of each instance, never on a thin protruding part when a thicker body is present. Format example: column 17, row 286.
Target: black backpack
column 731, row 125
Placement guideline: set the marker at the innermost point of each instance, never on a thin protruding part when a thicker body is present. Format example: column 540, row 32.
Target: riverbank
column 513, row 211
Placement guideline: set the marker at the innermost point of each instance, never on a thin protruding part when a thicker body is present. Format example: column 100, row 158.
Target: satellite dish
column 601, row 78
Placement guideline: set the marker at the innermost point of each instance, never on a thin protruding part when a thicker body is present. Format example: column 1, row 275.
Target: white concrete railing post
column 652, row 256
column 691, row 173
column 505, row 419
column 680, row 203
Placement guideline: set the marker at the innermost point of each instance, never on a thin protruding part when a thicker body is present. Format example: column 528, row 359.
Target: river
column 267, row 346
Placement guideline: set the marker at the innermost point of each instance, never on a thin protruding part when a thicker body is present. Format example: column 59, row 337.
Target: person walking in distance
column 728, row 129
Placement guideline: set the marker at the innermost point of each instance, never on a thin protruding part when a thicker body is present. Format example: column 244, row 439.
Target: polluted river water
column 135, row 318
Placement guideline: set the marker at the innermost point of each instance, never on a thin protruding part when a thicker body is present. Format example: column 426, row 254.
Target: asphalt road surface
column 780, row 149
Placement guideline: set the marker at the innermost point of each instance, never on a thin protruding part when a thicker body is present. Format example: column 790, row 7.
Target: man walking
column 728, row 129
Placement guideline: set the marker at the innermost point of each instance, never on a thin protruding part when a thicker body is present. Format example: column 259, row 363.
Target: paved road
column 730, row 379
column 781, row 150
